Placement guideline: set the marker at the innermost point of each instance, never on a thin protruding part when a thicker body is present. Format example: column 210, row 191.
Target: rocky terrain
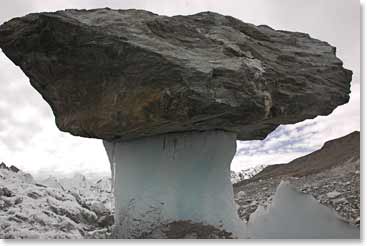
column 331, row 175
column 52, row 209
column 77, row 207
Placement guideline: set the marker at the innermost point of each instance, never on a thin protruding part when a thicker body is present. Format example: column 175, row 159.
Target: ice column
column 178, row 176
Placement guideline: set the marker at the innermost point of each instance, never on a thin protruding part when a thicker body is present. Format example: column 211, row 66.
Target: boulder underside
column 125, row 74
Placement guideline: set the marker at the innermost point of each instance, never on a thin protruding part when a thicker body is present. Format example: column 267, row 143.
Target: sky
column 30, row 139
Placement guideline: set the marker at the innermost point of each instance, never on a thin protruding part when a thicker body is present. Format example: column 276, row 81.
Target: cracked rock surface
column 131, row 73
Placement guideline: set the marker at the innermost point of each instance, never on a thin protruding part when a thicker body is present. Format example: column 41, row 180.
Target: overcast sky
column 30, row 140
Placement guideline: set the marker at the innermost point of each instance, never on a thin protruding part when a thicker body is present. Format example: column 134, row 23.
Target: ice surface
column 293, row 214
column 183, row 176
column 48, row 210
column 30, row 210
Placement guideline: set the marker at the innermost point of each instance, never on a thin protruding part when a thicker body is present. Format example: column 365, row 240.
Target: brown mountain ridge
column 333, row 153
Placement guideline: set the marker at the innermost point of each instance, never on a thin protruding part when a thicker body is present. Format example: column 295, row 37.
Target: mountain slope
column 333, row 153
column 331, row 175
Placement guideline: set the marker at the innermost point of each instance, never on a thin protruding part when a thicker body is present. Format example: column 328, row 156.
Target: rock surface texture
column 131, row 73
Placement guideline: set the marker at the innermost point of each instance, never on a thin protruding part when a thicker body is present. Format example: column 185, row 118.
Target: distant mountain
column 245, row 173
column 53, row 182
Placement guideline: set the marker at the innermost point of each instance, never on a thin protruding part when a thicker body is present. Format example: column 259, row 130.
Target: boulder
column 125, row 74
column 4, row 191
column 105, row 220
column 333, row 194
column 14, row 169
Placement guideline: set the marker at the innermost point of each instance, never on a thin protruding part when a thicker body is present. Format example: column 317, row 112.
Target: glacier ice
column 296, row 215
column 178, row 176
column 186, row 176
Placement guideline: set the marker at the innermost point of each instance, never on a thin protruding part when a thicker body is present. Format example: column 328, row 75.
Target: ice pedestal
column 173, row 177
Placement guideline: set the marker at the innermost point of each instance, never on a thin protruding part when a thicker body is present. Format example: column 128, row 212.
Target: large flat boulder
column 131, row 73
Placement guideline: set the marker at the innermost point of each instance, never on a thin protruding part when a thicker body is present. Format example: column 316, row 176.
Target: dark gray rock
column 34, row 195
column 6, row 192
column 131, row 73
column 14, row 169
column 105, row 220
column 3, row 166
